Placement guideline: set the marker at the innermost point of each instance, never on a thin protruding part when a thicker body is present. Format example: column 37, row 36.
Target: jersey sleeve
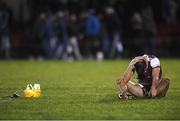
column 155, row 63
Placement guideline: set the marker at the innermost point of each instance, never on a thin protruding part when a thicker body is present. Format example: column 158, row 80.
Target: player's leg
column 163, row 87
column 135, row 89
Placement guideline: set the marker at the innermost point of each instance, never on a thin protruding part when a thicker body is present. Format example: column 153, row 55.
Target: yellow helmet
column 32, row 91
column 28, row 93
column 37, row 93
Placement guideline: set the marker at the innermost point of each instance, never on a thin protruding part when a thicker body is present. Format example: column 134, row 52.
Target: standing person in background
column 137, row 41
column 112, row 37
column 62, row 31
column 169, row 11
column 73, row 45
column 149, row 29
column 5, row 26
column 48, row 28
column 92, row 31
column 117, row 46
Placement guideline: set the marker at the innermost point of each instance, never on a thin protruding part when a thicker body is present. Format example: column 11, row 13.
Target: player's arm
column 155, row 64
column 155, row 78
column 126, row 77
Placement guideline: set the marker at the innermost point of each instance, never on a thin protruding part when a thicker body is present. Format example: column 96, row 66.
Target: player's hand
column 122, row 96
column 134, row 61
column 153, row 92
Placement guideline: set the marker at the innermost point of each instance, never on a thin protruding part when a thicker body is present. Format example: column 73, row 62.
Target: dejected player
column 150, row 84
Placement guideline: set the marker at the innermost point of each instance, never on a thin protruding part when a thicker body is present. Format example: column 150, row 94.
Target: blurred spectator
column 117, row 46
column 73, row 45
column 62, row 30
column 38, row 35
column 149, row 29
column 169, row 11
column 136, row 35
column 92, row 30
column 112, row 45
column 5, row 29
column 50, row 37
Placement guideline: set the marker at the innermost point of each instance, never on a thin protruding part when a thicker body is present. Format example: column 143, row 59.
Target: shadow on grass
column 113, row 98
column 110, row 98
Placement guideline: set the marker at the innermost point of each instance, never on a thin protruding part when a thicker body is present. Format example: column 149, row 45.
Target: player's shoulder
column 153, row 60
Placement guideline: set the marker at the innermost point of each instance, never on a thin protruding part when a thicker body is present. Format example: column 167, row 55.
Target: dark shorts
column 146, row 91
column 147, row 87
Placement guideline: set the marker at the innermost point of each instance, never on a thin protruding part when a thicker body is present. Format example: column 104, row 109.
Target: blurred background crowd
column 88, row 29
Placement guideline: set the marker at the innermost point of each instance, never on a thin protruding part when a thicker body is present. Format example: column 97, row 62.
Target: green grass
column 82, row 90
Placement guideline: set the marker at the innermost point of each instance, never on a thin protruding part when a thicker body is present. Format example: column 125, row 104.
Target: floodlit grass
column 82, row 90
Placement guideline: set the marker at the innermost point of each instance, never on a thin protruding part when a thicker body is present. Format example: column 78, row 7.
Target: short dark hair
column 140, row 67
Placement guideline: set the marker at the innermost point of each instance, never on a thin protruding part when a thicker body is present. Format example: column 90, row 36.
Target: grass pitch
column 82, row 90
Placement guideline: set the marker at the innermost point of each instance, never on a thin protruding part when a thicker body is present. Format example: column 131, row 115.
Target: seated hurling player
column 150, row 82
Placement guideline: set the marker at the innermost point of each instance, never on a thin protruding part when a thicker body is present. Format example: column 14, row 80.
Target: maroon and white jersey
column 153, row 62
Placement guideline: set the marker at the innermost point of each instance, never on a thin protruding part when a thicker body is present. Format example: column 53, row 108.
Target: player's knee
column 118, row 81
column 167, row 81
